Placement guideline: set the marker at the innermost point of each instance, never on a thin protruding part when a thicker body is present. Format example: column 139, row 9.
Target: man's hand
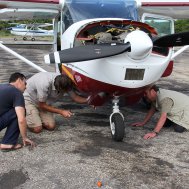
column 150, row 135
column 138, row 124
column 66, row 113
column 27, row 141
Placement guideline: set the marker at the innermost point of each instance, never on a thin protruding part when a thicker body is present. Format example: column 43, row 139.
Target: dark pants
column 176, row 127
column 9, row 120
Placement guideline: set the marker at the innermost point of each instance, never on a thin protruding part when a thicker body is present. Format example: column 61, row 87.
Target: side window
column 163, row 25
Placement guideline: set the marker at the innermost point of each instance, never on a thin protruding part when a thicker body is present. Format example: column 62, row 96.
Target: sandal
column 12, row 148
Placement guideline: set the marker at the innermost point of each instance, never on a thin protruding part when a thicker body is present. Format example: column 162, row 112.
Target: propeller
column 137, row 43
column 89, row 52
column 177, row 39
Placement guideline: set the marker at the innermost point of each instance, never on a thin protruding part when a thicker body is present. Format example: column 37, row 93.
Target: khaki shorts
column 36, row 117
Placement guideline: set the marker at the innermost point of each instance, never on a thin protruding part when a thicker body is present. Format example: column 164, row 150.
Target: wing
column 33, row 4
column 21, row 10
column 173, row 8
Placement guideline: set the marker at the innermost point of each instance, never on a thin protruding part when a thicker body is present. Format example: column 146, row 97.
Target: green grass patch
column 4, row 33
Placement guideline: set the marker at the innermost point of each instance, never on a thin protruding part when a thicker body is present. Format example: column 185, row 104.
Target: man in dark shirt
column 12, row 113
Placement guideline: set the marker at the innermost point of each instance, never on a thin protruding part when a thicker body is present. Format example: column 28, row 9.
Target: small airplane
column 31, row 30
column 16, row 25
column 107, row 51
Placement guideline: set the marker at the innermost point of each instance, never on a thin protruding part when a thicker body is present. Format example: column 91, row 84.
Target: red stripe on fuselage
column 3, row 6
column 89, row 85
column 94, row 87
column 36, row 1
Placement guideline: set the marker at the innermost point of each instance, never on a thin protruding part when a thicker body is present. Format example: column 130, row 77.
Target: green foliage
column 4, row 25
column 181, row 25
column 162, row 27
column 7, row 24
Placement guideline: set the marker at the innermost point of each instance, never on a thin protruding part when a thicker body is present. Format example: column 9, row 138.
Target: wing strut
column 22, row 58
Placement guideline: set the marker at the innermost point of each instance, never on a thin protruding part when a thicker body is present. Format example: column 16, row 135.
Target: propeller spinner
column 141, row 44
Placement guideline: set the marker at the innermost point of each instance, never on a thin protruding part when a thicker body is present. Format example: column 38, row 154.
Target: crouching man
column 12, row 113
column 43, row 89
column 174, row 109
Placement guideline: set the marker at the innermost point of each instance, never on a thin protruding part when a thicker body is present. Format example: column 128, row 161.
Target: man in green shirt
column 174, row 109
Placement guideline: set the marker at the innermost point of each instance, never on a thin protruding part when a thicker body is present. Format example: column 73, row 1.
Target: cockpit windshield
column 77, row 10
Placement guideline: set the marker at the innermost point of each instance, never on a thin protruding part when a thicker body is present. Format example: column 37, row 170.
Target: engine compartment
column 113, row 32
column 109, row 32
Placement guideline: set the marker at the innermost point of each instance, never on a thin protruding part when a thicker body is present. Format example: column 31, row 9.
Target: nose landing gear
column 117, row 122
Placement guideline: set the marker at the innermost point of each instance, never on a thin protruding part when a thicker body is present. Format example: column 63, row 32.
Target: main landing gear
column 117, row 122
column 25, row 39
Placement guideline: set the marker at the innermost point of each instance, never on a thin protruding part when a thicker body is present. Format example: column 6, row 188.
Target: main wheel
column 117, row 127
column 33, row 39
column 24, row 38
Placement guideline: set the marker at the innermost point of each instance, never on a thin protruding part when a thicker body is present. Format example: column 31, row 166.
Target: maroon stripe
column 3, row 6
column 36, row 1
column 161, row 4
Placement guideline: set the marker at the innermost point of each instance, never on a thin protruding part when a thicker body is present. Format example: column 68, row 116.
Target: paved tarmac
column 35, row 53
column 80, row 152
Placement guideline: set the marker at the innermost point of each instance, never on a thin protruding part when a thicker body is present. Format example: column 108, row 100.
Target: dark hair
column 16, row 76
column 155, row 88
column 63, row 83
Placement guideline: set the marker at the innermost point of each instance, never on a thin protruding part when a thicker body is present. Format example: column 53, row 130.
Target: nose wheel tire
column 117, row 127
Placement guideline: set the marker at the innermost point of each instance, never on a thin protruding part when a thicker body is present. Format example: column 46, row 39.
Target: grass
column 4, row 33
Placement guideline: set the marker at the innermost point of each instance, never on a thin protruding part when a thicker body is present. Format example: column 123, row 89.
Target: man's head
column 18, row 80
column 63, row 83
column 151, row 93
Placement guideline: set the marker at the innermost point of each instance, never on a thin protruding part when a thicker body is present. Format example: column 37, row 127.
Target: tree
column 181, row 25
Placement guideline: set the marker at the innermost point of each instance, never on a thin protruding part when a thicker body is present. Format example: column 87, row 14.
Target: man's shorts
column 36, row 117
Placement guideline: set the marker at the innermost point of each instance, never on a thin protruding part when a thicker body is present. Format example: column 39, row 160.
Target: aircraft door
column 163, row 24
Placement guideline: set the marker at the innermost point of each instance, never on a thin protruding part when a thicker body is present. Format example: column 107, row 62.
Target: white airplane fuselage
column 123, row 73
column 27, row 32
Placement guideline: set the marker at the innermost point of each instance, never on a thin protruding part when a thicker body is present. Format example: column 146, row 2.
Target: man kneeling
column 174, row 108
column 42, row 90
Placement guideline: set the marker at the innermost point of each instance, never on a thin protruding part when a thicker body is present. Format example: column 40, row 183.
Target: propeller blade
column 177, row 39
column 84, row 53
